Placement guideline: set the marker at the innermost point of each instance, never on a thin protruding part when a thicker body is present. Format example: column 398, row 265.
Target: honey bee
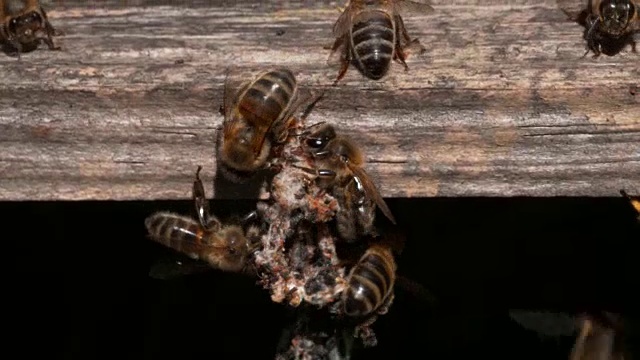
column 598, row 338
column 222, row 246
column 370, row 33
column 610, row 25
column 370, row 282
column 338, row 163
column 634, row 201
column 255, row 116
column 24, row 28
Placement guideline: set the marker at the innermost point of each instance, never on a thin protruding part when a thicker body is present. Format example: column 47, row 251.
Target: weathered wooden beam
column 501, row 104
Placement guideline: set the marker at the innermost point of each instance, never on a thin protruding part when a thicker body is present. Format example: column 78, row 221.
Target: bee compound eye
column 315, row 143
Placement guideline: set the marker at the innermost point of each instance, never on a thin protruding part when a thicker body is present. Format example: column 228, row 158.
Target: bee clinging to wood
column 339, row 168
column 24, row 25
column 634, row 201
column 610, row 25
column 255, row 116
column 222, row 246
column 371, row 33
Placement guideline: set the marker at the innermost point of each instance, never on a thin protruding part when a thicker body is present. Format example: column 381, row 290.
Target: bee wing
column 595, row 342
column 418, row 6
column 371, row 190
column 13, row 7
column 342, row 25
column 170, row 268
column 552, row 324
column 233, row 87
column 573, row 8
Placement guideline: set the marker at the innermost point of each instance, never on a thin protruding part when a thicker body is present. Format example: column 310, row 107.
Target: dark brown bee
column 224, row 247
column 599, row 338
column 371, row 33
column 338, row 166
column 610, row 25
column 370, row 282
column 24, row 28
column 634, row 201
column 254, row 117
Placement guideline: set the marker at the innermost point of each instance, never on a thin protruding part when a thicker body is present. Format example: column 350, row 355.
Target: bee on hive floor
column 339, row 167
column 24, row 25
column 223, row 246
column 371, row 33
column 610, row 25
column 256, row 115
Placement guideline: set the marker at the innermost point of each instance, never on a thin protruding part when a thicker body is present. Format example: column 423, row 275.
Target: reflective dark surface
column 78, row 283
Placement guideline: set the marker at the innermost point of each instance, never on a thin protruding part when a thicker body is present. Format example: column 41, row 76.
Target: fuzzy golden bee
column 24, row 25
column 223, row 246
column 371, row 33
column 255, row 116
column 610, row 25
column 339, row 168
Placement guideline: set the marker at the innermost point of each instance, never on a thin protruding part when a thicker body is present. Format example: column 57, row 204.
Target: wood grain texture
column 501, row 104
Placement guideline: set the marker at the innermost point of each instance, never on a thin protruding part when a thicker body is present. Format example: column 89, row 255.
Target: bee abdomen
column 370, row 282
column 373, row 43
column 268, row 96
column 174, row 231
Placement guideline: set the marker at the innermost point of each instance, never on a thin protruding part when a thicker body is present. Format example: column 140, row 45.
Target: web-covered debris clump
column 311, row 240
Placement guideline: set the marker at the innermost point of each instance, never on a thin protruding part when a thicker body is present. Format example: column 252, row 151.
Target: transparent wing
column 422, row 7
column 337, row 52
column 574, row 9
column 371, row 190
column 167, row 268
column 554, row 324
column 234, row 83
column 343, row 24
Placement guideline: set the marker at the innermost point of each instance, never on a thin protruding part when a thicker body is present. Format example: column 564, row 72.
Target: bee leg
column 202, row 205
column 590, row 35
column 18, row 46
column 340, row 47
column 384, row 308
column 310, row 107
column 50, row 31
column 344, row 66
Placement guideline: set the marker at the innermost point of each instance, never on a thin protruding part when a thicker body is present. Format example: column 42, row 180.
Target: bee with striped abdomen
column 223, row 246
column 256, row 115
column 24, row 25
column 371, row 33
column 610, row 25
column 370, row 282
column 339, row 167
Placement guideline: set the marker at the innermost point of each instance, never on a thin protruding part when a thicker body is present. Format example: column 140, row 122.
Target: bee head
column 26, row 25
column 616, row 15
